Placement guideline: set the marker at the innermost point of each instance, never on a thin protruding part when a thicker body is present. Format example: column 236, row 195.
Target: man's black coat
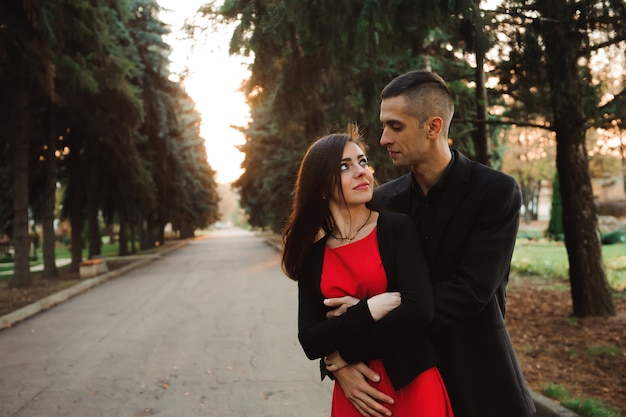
column 468, row 248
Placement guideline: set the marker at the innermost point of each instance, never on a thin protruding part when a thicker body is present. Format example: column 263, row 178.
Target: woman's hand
column 340, row 305
column 382, row 304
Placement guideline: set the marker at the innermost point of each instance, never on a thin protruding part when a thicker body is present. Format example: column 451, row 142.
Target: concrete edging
column 10, row 319
column 547, row 407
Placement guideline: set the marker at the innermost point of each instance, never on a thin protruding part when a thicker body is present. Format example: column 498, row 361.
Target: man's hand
column 334, row 361
column 365, row 398
column 341, row 305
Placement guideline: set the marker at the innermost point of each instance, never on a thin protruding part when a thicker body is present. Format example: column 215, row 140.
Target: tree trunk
column 95, row 239
column 143, row 235
column 123, row 235
column 21, row 239
column 133, row 240
column 591, row 295
column 160, row 233
column 186, row 231
column 49, row 200
column 74, row 201
column 480, row 137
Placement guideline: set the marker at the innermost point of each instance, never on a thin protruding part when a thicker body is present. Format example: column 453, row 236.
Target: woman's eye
column 364, row 163
column 344, row 167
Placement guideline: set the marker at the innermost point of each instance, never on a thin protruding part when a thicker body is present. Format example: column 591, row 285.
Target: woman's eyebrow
column 348, row 159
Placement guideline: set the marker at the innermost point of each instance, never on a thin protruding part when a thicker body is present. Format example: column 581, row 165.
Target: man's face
column 404, row 139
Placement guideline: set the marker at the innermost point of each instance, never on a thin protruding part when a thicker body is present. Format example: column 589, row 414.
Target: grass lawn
column 547, row 258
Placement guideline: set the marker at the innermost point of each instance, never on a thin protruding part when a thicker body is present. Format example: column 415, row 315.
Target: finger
column 371, row 407
column 334, row 313
column 367, row 372
column 333, row 302
column 360, row 409
column 369, row 390
column 380, row 397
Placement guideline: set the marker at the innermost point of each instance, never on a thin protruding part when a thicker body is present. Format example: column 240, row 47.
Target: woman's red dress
column 357, row 270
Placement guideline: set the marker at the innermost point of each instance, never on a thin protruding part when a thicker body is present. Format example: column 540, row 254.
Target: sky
column 213, row 82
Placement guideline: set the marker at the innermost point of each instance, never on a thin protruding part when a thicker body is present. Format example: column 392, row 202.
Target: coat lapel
column 393, row 196
column 454, row 192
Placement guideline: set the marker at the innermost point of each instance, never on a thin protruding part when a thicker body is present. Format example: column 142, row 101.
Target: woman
column 335, row 246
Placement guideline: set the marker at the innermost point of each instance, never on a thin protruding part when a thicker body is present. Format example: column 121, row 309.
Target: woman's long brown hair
column 318, row 178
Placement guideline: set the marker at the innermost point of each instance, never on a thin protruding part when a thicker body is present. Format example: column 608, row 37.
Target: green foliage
column 319, row 66
column 616, row 236
column 555, row 227
column 586, row 407
column 595, row 350
column 556, row 391
column 128, row 143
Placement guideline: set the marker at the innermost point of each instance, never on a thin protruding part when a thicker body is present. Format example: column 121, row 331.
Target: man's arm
column 486, row 256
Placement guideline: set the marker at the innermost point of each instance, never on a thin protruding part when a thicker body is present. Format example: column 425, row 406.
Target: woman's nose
column 359, row 171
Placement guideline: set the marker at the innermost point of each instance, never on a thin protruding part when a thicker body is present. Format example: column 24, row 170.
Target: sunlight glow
column 212, row 79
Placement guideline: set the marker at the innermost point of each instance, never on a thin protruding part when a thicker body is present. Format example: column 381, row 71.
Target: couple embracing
column 402, row 288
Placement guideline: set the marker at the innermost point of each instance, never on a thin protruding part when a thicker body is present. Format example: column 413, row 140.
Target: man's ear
column 434, row 126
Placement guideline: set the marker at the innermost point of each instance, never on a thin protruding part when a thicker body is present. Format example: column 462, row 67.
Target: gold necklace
column 350, row 239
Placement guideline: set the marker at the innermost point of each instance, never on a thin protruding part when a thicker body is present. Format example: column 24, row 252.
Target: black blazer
column 468, row 248
column 399, row 337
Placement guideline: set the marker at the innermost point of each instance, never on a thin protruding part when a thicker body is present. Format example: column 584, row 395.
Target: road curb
column 10, row 319
column 547, row 407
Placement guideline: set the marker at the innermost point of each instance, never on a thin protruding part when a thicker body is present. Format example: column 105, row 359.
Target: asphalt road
column 208, row 330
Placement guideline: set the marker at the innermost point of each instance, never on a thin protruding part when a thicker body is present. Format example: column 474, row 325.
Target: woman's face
column 357, row 180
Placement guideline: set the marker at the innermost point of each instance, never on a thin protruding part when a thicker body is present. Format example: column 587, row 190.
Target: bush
column 617, row 236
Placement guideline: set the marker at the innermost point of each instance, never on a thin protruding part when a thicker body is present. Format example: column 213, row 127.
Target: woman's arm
column 406, row 266
column 317, row 334
column 360, row 333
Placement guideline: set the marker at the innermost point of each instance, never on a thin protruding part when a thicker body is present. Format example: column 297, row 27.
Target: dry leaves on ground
column 586, row 356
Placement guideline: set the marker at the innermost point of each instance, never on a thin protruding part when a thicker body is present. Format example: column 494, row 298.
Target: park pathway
column 208, row 330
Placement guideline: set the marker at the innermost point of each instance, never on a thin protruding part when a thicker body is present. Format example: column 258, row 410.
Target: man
column 467, row 216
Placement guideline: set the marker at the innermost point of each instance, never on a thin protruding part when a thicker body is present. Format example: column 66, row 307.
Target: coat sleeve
column 407, row 272
column 318, row 335
column 485, row 256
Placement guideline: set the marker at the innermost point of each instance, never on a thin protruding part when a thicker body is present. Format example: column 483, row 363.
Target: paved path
column 208, row 330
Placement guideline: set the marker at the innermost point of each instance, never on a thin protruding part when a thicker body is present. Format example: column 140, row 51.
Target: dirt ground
column 587, row 357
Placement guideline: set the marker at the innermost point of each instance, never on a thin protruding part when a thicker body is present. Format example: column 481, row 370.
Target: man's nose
column 385, row 138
